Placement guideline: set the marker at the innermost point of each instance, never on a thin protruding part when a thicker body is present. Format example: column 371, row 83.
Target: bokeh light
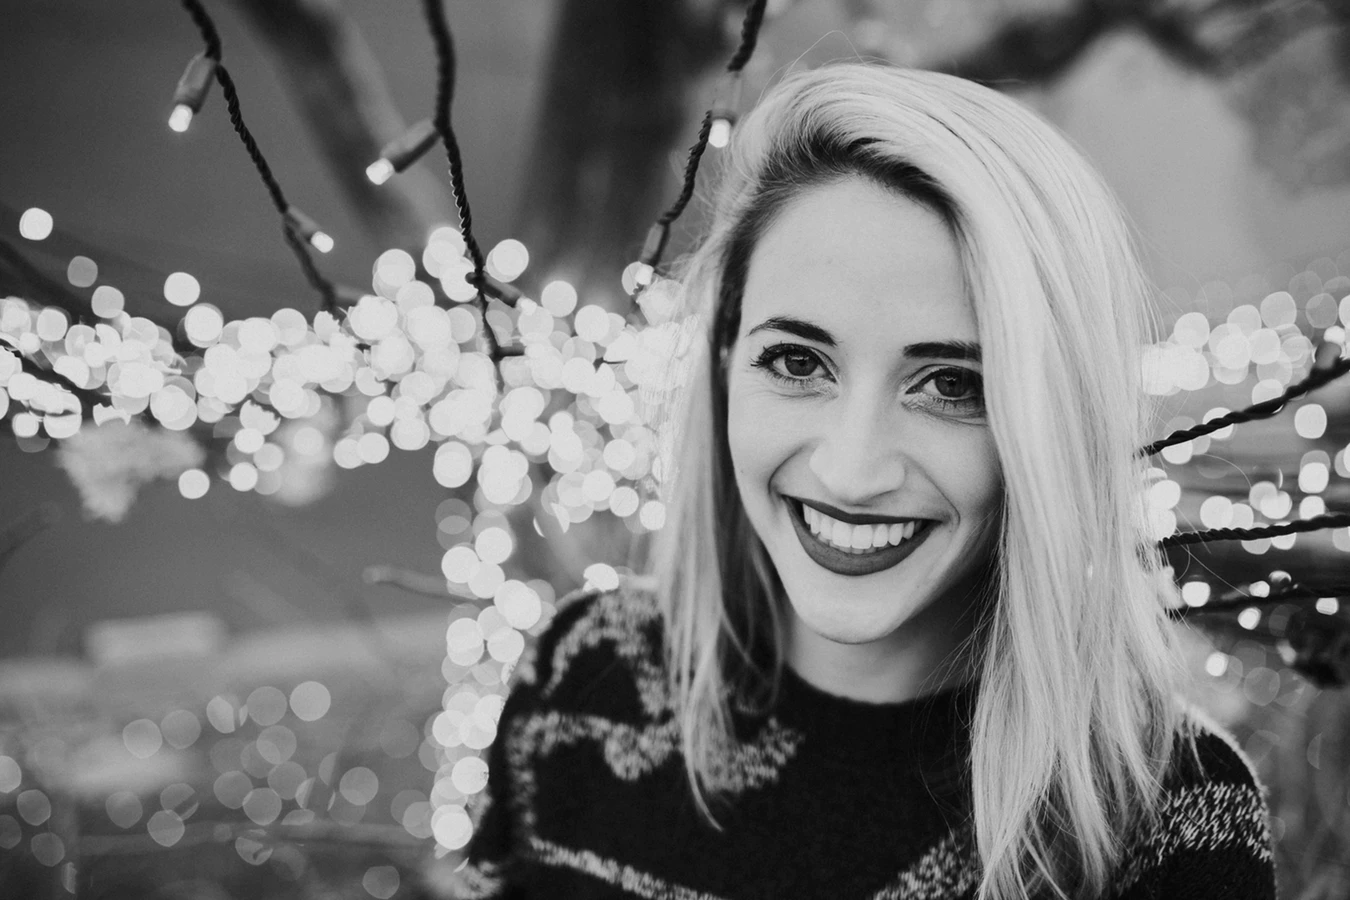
column 381, row 882
column 82, row 272
column 180, row 729
column 508, row 260
column 310, row 701
column 10, row 774
column 571, row 431
column 35, row 224
column 142, row 738
column 181, row 289
column 124, row 809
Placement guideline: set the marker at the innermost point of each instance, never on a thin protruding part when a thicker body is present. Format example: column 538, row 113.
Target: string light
column 308, row 229
column 191, row 92
column 1317, row 523
column 719, row 135
column 724, row 115
column 724, row 111
column 418, row 362
column 297, row 233
column 652, row 249
column 35, row 224
column 1328, row 368
column 403, row 151
column 266, row 384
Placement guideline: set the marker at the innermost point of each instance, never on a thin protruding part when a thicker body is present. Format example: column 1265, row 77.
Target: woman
column 904, row 633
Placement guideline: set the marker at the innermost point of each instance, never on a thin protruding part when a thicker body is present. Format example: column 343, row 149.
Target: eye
column 788, row 362
column 799, row 365
column 953, row 390
column 955, row 384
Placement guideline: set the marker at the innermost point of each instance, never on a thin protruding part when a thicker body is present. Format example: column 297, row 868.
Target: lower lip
column 840, row 563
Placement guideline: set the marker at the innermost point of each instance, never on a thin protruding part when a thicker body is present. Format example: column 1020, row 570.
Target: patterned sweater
column 826, row 796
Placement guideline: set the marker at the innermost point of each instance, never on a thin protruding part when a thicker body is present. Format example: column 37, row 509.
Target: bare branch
column 416, row 582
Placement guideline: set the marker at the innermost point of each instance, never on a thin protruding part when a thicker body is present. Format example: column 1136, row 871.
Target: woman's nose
column 858, row 455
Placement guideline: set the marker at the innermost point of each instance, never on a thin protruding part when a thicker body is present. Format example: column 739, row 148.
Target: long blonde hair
column 1069, row 748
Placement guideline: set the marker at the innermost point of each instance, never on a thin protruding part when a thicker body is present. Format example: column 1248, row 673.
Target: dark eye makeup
column 949, row 389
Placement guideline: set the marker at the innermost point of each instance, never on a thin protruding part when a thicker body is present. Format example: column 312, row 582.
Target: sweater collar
column 931, row 730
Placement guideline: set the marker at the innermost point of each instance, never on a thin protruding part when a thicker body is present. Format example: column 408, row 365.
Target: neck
column 917, row 659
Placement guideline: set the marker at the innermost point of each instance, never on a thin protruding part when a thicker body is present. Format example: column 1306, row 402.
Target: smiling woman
column 903, row 634
column 871, row 425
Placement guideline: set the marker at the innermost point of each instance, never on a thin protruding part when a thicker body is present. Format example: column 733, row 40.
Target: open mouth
column 862, row 555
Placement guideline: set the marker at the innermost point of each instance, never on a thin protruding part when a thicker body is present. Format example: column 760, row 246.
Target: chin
column 852, row 620
column 849, row 633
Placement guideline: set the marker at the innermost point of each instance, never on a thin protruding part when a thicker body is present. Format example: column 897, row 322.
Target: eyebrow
column 964, row 350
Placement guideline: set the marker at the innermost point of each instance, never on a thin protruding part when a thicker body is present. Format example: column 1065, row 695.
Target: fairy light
column 35, row 224
column 719, row 134
column 191, row 92
column 380, row 171
column 181, row 118
column 568, row 429
column 297, row 230
column 402, row 152
column 639, row 277
column 1310, row 421
column 309, row 230
column 724, row 111
column 508, row 260
column 644, row 270
column 1195, row 593
column 181, row 289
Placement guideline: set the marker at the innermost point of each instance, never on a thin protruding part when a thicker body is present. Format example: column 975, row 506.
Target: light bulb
column 644, row 270
column 308, row 229
column 720, row 133
column 403, row 151
column 190, row 93
column 180, row 118
column 499, row 290
column 380, row 171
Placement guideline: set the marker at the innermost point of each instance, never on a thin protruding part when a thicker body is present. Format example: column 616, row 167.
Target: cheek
column 974, row 477
column 754, row 432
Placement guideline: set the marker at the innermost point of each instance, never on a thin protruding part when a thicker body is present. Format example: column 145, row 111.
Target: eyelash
column 968, row 406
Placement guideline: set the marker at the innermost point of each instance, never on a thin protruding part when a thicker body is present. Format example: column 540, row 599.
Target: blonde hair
column 1068, row 749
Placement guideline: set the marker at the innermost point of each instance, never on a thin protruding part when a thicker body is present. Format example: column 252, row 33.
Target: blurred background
column 256, row 625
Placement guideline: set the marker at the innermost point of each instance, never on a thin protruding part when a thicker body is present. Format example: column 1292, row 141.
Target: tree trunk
column 614, row 121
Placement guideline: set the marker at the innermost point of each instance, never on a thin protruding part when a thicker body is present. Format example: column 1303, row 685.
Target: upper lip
column 853, row 518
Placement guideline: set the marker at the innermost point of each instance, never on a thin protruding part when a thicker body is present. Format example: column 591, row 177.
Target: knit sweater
column 823, row 796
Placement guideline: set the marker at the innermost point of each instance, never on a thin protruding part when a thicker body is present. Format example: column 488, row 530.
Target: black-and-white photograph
column 675, row 450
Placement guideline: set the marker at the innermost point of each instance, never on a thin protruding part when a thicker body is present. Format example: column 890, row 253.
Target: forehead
column 867, row 263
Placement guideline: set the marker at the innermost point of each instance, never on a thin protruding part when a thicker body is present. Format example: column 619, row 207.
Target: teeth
column 856, row 538
column 862, row 536
column 841, row 535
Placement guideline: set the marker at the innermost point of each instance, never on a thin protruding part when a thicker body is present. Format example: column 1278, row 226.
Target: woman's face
column 856, row 421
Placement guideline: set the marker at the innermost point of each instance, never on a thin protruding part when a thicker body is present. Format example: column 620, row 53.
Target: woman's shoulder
column 1212, row 786
column 601, row 647
column 1218, row 763
column 1213, row 833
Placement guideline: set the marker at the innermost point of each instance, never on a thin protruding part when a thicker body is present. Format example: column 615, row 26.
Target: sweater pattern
column 592, row 697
